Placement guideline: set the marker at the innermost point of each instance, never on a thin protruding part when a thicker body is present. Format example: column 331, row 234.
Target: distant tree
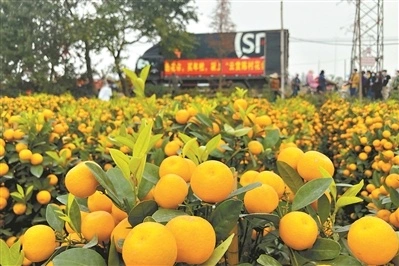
column 221, row 23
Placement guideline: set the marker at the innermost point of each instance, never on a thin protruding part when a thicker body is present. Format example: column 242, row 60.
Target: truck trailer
column 242, row 59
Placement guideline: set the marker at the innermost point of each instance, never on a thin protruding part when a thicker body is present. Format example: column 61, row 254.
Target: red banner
column 215, row 67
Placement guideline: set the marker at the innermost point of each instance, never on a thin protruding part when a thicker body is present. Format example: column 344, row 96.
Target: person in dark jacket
column 296, row 85
column 322, row 82
column 377, row 86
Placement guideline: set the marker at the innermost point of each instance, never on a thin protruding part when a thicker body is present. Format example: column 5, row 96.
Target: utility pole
column 282, row 52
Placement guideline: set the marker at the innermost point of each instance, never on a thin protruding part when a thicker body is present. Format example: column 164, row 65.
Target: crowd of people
column 102, row 88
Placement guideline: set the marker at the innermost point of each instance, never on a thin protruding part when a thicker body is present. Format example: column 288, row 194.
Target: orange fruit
column 172, row 148
column 310, row 162
column 43, row 197
column 373, row 241
column 240, row 103
column 19, row 208
column 170, row 191
column 176, row 165
column 4, row 168
column 290, row 155
column 118, row 214
column 182, row 116
column 3, row 203
column 25, row 155
column 195, row 238
column 80, row 181
column 272, row 179
column 11, row 240
column 248, row 177
column 100, row 223
column 39, row 243
column 263, row 120
column 263, row 199
column 52, row 179
column 255, row 147
column 4, row 192
column 383, row 214
column 8, row 134
column 212, row 181
column 20, row 146
column 36, row 159
column 298, row 230
column 121, row 230
column 149, row 243
column 99, row 202
column 69, row 228
column 392, row 180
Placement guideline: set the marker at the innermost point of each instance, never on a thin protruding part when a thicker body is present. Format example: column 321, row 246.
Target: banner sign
column 215, row 67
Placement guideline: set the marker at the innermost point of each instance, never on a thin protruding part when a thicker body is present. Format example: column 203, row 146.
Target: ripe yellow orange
column 18, row 134
column 212, row 181
column 4, row 192
column 263, row 120
column 255, row 147
column 240, row 103
column 118, row 214
column 263, row 199
column 43, row 197
column 52, row 179
column 121, row 230
column 20, row 146
column 386, row 134
column 8, row 134
column 80, row 181
column 272, row 179
column 309, row 165
column 392, row 180
column 99, row 202
column 11, row 240
column 290, row 155
column 25, row 155
column 298, row 230
column 182, row 116
column 3, row 203
column 363, row 140
column 372, row 240
column 4, row 168
column 383, row 214
column 19, row 208
column 100, row 223
column 170, row 191
column 248, row 177
column 149, row 243
column 172, row 148
column 39, row 243
column 363, row 156
column 177, row 165
column 195, row 238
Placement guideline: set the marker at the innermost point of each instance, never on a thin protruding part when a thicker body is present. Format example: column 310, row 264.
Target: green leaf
column 190, row 149
column 323, row 249
column 352, row 191
column 242, row 190
column 73, row 213
column 290, row 176
column 310, row 191
column 225, row 216
column 113, row 256
column 150, row 178
column 53, row 218
column 142, row 210
column 5, row 258
column 121, row 160
column 137, row 166
column 344, row 201
column 103, row 179
column 341, row 260
column 125, row 140
column 271, row 139
column 143, row 140
column 79, row 257
column 204, row 119
column 323, row 208
column 144, row 73
column 394, row 195
column 333, row 186
column 53, row 155
column 165, row 215
column 36, row 170
column 213, row 143
column 16, row 254
column 242, row 131
column 266, row 260
column 218, row 252
column 123, row 189
column 20, row 190
column 271, row 218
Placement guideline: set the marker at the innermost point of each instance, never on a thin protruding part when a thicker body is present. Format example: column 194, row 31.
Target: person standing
column 296, row 85
column 322, row 82
column 377, row 86
column 275, row 85
column 385, row 82
column 175, row 82
column 395, row 82
column 105, row 92
column 354, row 82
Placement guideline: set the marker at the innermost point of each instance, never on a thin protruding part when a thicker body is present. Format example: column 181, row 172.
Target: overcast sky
column 314, row 27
